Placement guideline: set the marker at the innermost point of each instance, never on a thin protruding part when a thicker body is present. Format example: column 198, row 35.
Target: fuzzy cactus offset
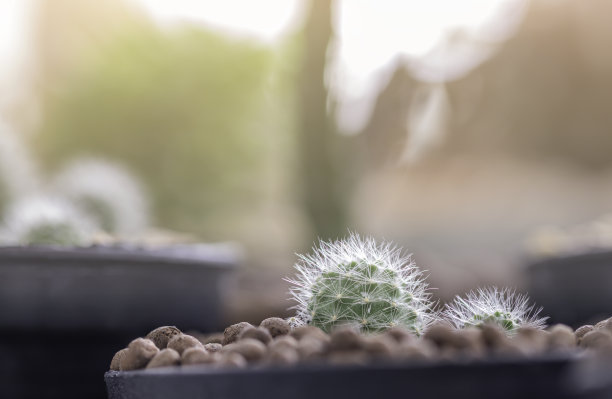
column 357, row 281
column 503, row 307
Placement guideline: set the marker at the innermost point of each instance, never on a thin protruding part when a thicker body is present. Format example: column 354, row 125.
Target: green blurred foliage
column 177, row 107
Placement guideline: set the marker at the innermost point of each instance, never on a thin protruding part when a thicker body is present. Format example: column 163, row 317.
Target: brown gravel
column 300, row 332
column 276, row 326
column 231, row 360
column 161, row 335
column 213, row 347
column 284, row 341
column 261, row 334
column 597, row 339
column 140, row 352
column 182, row 342
column 561, row 337
column 582, row 331
column 197, row 355
column 345, row 339
column 399, row 334
column 232, row 332
column 251, row 349
column 271, row 344
column 165, row 357
column 281, row 355
column 116, row 362
column 216, row 338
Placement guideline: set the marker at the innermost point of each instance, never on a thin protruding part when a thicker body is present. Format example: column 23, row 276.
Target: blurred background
column 475, row 134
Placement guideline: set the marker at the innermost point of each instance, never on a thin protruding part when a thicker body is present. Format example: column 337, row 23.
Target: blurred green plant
column 180, row 108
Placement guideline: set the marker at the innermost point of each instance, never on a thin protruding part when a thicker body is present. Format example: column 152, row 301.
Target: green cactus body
column 354, row 281
column 503, row 307
column 503, row 319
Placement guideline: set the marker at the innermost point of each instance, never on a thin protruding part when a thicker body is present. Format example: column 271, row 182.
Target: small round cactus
column 503, row 307
column 356, row 281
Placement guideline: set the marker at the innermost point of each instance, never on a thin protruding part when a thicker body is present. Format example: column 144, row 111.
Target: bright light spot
column 372, row 36
column 14, row 48
column 265, row 20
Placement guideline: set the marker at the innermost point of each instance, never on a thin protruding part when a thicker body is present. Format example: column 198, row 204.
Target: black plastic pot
column 65, row 312
column 575, row 289
column 551, row 377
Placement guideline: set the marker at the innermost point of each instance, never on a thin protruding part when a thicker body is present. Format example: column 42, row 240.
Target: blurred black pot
column 574, row 289
column 64, row 312
column 553, row 377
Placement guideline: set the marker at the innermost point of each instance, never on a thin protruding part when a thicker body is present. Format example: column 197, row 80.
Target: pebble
column 116, row 362
column 197, row 355
column 379, row 346
column 261, row 334
column 284, row 341
column 276, row 326
column 606, row 325
column 493, row 337
column 311, row 347
column 182, row 342
column 349, row 358
column 399, row 334
column 582, row 331
column 561, row 337
column 345, row 339
column 510, row 348
column 531, row 340
column 231, row 360
column 213, row 347
column 601, row 324
column 300, row 332
column 140, row 352
column 441, row 334
column 232, row 332
column 597, row 339
column 251, row 349
column 162, row 335
column 284, row 356
column 216, row 338
column 418, row 350
column 164, row 358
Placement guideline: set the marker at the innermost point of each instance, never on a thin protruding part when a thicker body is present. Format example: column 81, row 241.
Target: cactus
column 106, row 192
column 18, row 175
column 47, row 221
column 356, row 281
column 503, row 307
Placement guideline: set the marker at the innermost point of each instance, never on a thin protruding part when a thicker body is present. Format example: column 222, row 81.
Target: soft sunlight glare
column 438, row 40
column 15, row 16
column 265, row 20
column 374, row 35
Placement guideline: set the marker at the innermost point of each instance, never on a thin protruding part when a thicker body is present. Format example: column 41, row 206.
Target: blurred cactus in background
column 106, row 192
column 45, row 220
column 17, row 172
column 180, row 108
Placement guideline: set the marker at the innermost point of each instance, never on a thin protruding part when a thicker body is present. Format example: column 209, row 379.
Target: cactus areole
column 358, row 282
